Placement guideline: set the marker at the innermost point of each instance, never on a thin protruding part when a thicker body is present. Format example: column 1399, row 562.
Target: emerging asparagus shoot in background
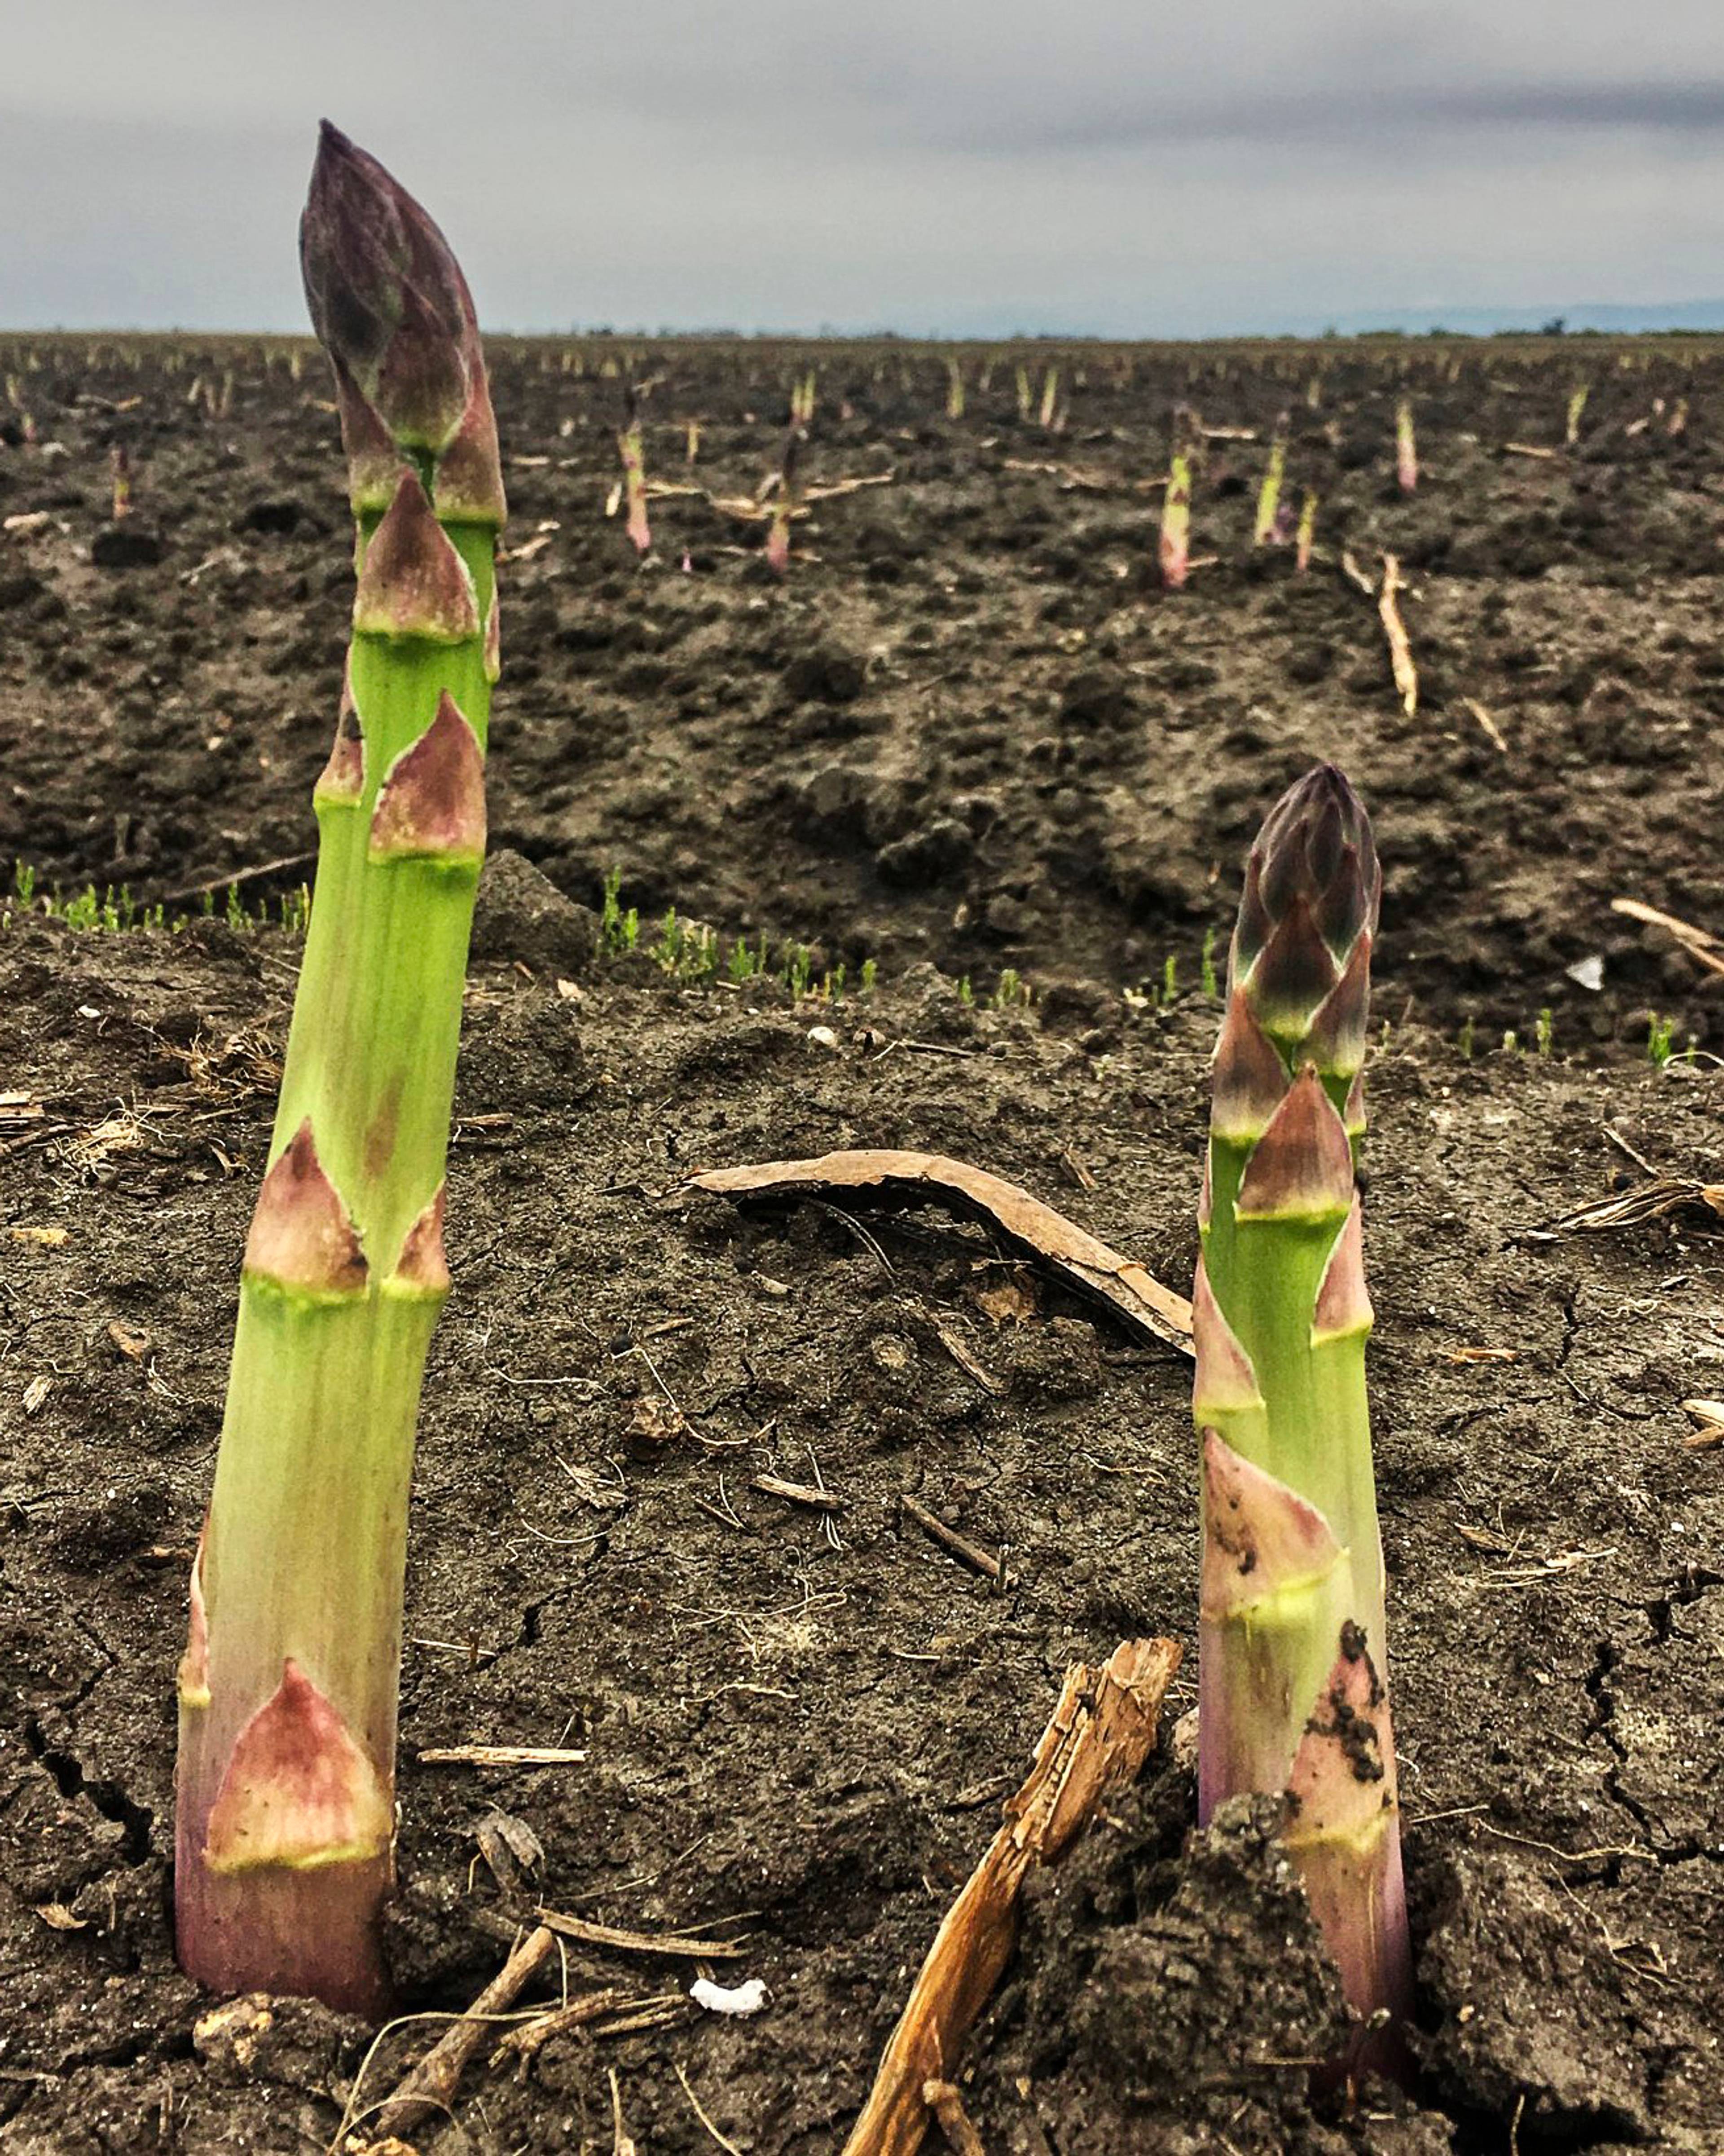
column 1175, row 541
column 1264, row 529
column 1305, row 537
column 784, row 503
column 632, row 451
column 288, row 1687
column 1406, row 447
column 1294, row 1676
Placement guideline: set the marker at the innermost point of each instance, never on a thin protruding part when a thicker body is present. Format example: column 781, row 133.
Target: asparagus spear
column 632, row 449
column 1406, row 447
column 1293, row 1693
column 785, row 503
column 1264, row 525
column 288, row 1687
column 1174, row 545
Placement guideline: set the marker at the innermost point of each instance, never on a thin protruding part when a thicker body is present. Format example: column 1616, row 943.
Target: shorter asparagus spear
column 630, row 447
column 1294, row 1678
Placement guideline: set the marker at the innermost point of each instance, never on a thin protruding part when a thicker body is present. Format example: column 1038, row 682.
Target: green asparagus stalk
column 1571, row 417
column 1269, row 495
column 1293, row 1677
column 954, row 390
column 288, row 1687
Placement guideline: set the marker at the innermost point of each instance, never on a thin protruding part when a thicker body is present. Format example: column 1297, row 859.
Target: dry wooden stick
column 1400, row 651
column 1102, row 1731
column 1487, row 724
column 947, row 2106
column 1699, row 943
column 798, row 1493
column 430, row 2086
column 528, row 2041
column 973, row 1554
column 501, row 1755
column 1645, row 1201
column 1035, row 1229
column 646, row 1943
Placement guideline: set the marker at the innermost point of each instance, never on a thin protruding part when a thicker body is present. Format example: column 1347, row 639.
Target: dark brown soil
column 971, row 730
column 803, row 1743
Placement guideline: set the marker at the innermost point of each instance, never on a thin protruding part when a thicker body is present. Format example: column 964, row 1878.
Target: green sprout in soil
column 1211, row 986
column 1466, row 1040
column 1011, row 992
column 1545, row 1030
column 1293, row 1695
column 618, row 931
column 965, row 993
column 692, row 951
column 1170, row 978
column 1661, row 1049
column 116, row 912
column 288, row 1685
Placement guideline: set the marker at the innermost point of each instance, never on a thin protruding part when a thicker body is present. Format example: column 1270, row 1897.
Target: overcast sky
column 971, row 166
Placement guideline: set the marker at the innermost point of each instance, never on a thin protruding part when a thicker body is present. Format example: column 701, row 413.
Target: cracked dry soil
column 968, row 734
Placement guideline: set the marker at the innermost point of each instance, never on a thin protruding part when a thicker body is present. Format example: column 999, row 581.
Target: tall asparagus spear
column 288, row 1685
column 1294, row 1678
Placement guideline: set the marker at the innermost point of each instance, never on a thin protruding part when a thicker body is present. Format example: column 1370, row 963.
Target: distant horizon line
column 1476, row 324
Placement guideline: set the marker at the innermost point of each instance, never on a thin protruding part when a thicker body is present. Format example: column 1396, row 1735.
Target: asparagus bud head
column 1299, row 971
column 390, row 306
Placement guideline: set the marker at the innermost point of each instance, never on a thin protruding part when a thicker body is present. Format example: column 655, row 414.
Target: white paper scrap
column 747, row 1998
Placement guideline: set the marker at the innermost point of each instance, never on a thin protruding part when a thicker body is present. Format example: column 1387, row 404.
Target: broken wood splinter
column 1102, row 1730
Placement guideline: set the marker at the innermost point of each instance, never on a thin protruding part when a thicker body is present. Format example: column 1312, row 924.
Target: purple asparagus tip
column 392, row 309
column 1301, row 951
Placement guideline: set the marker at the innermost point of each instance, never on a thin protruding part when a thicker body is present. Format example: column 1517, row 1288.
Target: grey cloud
column 1115, row 165
column 1335, row 113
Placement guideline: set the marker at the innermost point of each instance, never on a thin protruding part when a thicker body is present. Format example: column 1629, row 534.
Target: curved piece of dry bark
column 1102, row 1731
column 1077, row 1256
